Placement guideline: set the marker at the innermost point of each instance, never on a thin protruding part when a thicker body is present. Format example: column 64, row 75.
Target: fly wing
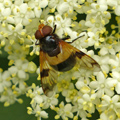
column 82, row 59
column 48, row 75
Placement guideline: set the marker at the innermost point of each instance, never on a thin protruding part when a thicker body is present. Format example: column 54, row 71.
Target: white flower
column 7, row 3
column 32, row 67
column 116, row 5
column 52, row 101
column 102, row 2
column 64, row 86
column 104, row 50
column 19, row 86
column 82, row 74
column 18, row 2
column 79, row 26
column 31, row 28
column 4, row 12
column 22, row 14
column 50, row 20
column 4, row 80
column 37, row 5
column 36, row 48
column 97, row 17
column 107, row 115
column 78, row 107
column 39, row 112
column 17, row 30
column 14, row 32
column 93, row 39
column 63, row 26
column 19, row 69
column 103, row 62
column 116, row 78
column 64, row 111
column 71, row 95
column 53, row 3
column 9, row 98
column 85, row 105
column 63, row 7
column 40, row 102
column 35, row 95
column 110, row 104
column 115, row 62
column 17, row 50
column 69, row 6
column 101, row 86
column 82, row 85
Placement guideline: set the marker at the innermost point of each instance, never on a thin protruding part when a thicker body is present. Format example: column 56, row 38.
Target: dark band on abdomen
column 66, row 65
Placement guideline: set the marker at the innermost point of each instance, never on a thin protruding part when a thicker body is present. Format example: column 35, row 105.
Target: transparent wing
column 48, row 75
column 82, row 59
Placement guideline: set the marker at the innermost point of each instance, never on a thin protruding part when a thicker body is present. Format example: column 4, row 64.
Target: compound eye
column 46, row 30
column 38, row 35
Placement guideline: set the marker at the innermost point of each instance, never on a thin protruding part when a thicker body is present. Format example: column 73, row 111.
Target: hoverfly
column 56, row 55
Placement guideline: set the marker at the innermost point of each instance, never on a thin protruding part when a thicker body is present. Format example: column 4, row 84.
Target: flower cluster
column 84, row 91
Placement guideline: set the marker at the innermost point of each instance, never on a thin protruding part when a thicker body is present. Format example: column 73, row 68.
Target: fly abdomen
column 66, row 65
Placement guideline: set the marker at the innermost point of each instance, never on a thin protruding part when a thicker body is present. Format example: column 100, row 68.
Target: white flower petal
column 6, row 12
column 117, row 10
column 38, row 99
column 100, row 77
column 68, row 107
column 21, row 74
column 37, row 12
column 104, row 51
column 43, row 3
column 13, row 70
column 117, row 105
column 19, row 27
column 79, row 84
column 117, row 88
column 18, row 63
column 23, row 8
column 115, row 98
column 100, row 93
column 63, row 7
column 54, row 101
column 5, row 75
column 111, row 82
column 113, row 62
column 116, row 74
column 10, row 20
column 103, row 116
column 106, row 98
column 43, row 114
column 102, row 2
column 1, row 88
column 112, row 2
column 18, row 2
column 25, row 21
column 109, row 92
column 86, row 97
column 94, row 84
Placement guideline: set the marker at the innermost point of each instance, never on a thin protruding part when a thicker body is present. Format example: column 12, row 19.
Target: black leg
column 54, row 29
column 76, row 39
column 68, row 37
